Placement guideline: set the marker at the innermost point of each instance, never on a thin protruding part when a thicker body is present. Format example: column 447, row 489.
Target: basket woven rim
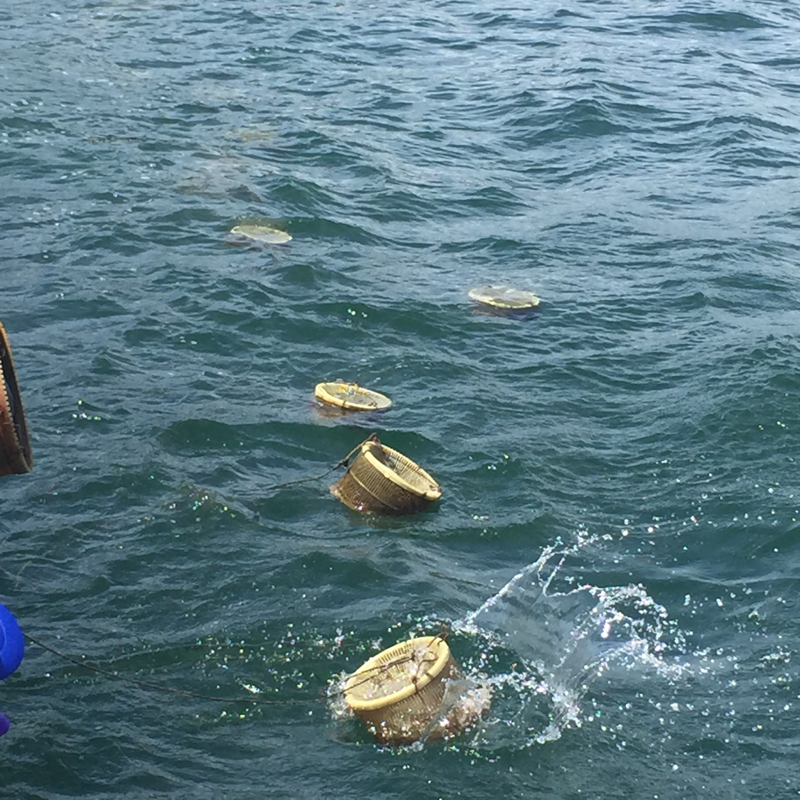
column 325, row 392
column 397, row 651
column 433, row 492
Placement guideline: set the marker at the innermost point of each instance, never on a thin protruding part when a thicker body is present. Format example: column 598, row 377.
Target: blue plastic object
column 12, row 643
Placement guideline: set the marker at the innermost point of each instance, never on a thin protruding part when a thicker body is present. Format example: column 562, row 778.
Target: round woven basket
column 398, row 693
column 15, row 445
column 382, row 481
column 351, row 397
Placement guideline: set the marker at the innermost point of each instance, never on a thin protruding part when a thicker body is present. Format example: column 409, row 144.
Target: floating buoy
column 382, row 481
column 351, row 397
column 399, row 694
column 15, row 445
column 505, row 298
column 262, row 233
column 12, row 643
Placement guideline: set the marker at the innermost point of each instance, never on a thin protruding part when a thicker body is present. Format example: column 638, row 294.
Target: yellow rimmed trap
column 262, row 233
column 399, row 693
column 351, row 396
column 381, row 480
column 505, row 298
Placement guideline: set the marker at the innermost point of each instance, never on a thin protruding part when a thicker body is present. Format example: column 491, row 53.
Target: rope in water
column 343, row 463
column 159, row 687
column 162, row 687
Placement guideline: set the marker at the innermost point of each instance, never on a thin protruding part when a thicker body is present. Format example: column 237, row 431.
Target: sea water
column 628, row 450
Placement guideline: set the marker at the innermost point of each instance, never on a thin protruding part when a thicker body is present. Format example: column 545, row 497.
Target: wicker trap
column 399, row 693
column 382, row 481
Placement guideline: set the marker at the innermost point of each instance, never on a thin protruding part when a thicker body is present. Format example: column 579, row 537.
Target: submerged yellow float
column 262, row 233
column 505, row 298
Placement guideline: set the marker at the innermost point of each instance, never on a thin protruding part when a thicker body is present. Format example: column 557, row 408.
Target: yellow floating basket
column 15, row 445
column 399, row 693
column 351, row 397
column 382, row 481
column 505, row 298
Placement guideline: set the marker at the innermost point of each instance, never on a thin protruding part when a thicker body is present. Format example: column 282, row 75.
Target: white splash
column 559, row 635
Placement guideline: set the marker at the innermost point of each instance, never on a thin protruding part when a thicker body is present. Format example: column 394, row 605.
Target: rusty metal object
column 15, row 445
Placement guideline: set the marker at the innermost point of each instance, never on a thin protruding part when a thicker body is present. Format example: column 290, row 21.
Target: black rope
column 365, row 676
column 159, row 687
column 343, row 463
column 303, row 480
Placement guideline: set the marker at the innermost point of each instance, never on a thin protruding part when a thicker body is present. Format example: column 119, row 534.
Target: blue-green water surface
column 628, row 451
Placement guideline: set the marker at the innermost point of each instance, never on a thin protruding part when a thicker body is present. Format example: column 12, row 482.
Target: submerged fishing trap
column 261, row 233
column 505, row 298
